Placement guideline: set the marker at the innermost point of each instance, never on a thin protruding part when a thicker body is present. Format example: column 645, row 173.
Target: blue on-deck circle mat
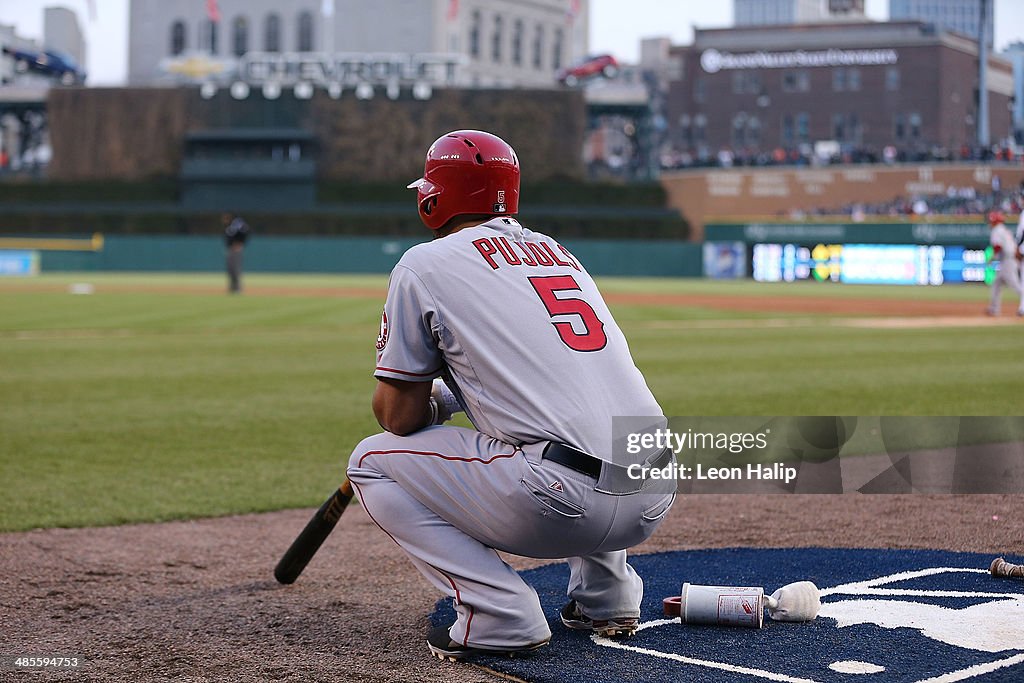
column 932, row 624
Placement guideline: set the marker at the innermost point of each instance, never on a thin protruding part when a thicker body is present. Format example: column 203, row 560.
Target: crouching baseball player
column 515, row 327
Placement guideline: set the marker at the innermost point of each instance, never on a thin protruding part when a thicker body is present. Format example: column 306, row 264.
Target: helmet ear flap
column 428, row 204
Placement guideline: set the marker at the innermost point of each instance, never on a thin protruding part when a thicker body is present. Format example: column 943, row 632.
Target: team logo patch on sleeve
column 382, row 336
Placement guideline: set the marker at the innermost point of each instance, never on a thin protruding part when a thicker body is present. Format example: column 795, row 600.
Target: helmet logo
column 499, row 206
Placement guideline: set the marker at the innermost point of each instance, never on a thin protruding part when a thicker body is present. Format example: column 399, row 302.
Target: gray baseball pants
column 452, row 497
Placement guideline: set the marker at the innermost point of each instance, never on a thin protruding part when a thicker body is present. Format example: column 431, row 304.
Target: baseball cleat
column 618, row 627
column 444, row 648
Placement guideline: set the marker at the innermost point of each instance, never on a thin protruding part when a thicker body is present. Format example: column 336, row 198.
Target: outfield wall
column 656, row 258
column 948, row 249
column 970, row 231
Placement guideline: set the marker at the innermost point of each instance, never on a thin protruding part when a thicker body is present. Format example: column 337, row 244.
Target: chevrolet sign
column 322, row 69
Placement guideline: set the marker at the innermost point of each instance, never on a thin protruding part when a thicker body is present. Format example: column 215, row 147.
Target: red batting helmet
column 467, row 172
column 995, row 218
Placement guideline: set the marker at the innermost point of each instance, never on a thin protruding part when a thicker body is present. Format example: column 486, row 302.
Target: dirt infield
column 811, row 305
column 761, row 304
column 195, row 601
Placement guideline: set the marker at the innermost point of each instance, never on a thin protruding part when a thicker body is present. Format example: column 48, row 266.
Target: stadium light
column 271, row 90
column 364, row 91
column 421, row 90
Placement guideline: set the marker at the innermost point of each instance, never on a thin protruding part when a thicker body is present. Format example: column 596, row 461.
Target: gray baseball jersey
column 1009, row 269
column 1001, row 237
column 520, row 332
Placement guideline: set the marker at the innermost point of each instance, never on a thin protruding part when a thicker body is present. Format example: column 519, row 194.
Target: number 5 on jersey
column 547, row 288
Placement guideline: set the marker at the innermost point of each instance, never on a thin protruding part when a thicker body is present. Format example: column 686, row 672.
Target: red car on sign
column 598, row 65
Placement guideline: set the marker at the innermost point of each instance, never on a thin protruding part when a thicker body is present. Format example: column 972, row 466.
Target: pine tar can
column 722, row 605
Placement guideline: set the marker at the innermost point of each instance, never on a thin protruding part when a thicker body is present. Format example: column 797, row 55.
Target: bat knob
column 1002, row 568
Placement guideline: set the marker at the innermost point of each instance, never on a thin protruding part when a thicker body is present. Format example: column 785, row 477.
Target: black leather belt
column 573, row 459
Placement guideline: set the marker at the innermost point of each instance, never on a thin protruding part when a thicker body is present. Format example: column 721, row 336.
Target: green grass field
column 158, row 397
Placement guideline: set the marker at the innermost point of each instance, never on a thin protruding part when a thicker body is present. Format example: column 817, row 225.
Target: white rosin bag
column 798, row 601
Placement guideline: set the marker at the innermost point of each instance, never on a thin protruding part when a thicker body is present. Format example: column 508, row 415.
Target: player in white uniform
column 1019, row 239
column 525, row 344
column 1005, row 250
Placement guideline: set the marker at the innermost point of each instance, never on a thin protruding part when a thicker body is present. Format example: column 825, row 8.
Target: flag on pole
column 213, row 11
column 453, row 9
column 573, row 12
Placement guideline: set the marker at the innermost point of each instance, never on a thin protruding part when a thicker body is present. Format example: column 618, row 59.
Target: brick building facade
column 864, row 86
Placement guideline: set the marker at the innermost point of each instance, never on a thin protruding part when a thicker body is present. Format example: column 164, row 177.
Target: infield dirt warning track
column 944, row 313
column 196, row 600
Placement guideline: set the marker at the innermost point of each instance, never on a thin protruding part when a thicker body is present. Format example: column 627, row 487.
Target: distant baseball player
column 236, row 232
column 1006, row 250
column 516, row 328
column 1019, row 238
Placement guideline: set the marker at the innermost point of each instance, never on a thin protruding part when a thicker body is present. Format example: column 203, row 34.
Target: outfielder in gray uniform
column 1006, row 250
column 522, row 340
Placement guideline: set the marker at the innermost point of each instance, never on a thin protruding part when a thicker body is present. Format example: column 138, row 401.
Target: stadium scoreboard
column 888, row 264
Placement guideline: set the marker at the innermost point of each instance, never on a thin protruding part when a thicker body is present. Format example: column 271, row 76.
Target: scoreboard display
column 888, row 264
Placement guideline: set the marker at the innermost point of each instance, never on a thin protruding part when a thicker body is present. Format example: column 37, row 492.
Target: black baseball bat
column 309, row 540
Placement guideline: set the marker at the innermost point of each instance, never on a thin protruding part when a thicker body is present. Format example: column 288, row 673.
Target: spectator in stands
column 954, row 201
column 803, row 155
